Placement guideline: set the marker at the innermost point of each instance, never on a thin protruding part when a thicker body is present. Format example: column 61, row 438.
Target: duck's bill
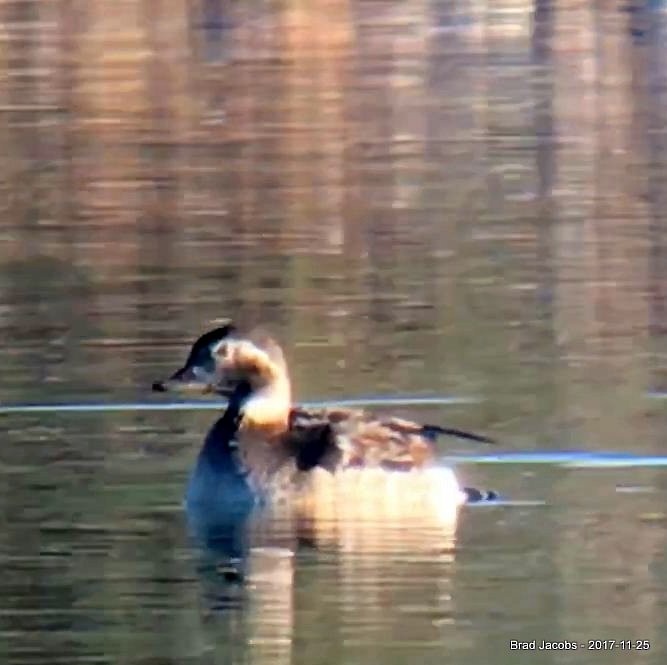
column 184, row 381
column 187, row 382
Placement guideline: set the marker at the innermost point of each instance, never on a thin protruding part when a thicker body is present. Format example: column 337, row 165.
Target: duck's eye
column 222, row 350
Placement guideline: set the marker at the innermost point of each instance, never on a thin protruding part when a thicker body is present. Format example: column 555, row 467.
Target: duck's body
column 276, row 440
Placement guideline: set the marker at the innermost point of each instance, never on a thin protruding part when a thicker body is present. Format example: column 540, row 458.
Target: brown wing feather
column 360, row 438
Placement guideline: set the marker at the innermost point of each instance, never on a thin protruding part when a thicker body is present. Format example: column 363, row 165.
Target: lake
column 419, row 199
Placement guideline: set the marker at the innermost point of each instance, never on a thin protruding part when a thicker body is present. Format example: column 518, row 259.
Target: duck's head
column 200, row 374
column 222, row 359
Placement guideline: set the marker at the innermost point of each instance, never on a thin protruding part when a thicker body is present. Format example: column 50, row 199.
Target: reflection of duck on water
column 279, row 445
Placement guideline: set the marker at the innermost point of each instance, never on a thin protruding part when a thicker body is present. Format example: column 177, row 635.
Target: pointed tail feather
column 432, row 431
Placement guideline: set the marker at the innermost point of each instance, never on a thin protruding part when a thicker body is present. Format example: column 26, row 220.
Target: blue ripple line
column 208, row 406
column 219, row 405
column 570, row 459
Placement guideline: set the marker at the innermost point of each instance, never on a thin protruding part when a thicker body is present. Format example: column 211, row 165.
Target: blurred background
column 433, row 197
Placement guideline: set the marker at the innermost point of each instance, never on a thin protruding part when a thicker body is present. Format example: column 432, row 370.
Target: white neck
column 268, row 407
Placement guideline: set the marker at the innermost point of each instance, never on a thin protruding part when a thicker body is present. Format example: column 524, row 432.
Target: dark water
column 433, row 200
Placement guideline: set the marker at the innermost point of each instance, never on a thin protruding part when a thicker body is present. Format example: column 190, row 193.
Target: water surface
column 418, row 200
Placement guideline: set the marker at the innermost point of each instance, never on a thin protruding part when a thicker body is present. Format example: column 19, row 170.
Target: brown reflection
column 316, row 136
column 384, row 548
column 47, row 324
column 650, row 73
column 437, row 196
column 601, row 250
column 271, row 605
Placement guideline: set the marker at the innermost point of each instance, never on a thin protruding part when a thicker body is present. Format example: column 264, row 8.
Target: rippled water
column 421, row 199
column 97, row 565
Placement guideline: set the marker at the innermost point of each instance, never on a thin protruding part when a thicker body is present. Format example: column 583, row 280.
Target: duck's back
column 356, row 439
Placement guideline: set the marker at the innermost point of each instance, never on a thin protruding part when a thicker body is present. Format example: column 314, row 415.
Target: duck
column 278, row 440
